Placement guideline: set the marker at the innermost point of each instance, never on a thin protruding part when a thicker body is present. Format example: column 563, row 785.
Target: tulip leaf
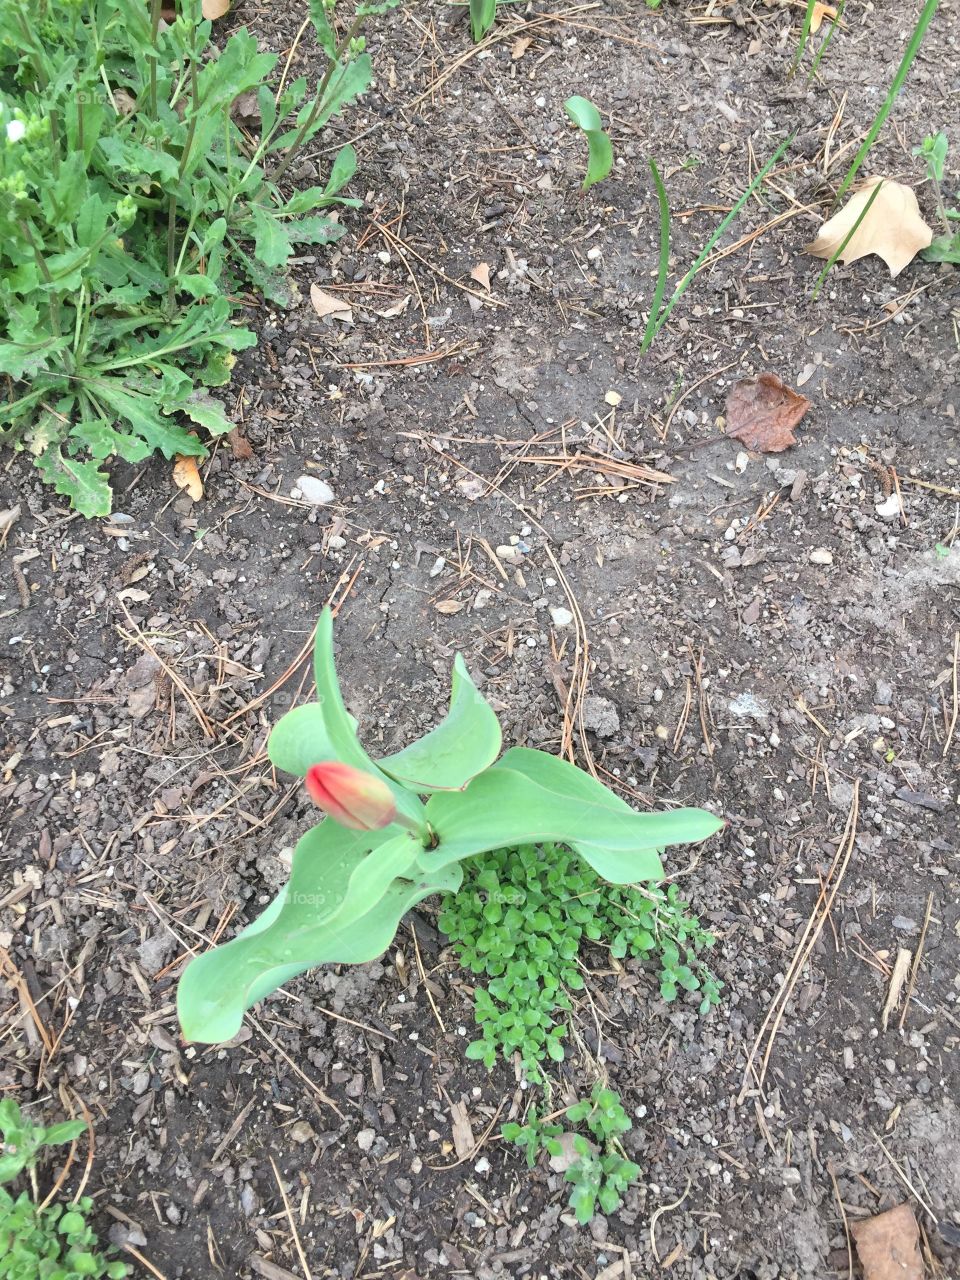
column 504, row 806
column 340, row 726
column 300, row 739
column 465, row 742
column 325, row 915
column 599, row 147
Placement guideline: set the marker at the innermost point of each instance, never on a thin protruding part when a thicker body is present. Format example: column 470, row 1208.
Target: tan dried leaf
column 821, row 11
column 450, row 606
column 240, row 446
column 520, row 47
column 892, row 227
column 481, row 273
column 762, row 413
column 889, row 1245
column 186, row 475
column 325, row 304
column 213, row 9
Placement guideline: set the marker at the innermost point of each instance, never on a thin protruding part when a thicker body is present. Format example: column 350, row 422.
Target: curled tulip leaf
column 599, row 147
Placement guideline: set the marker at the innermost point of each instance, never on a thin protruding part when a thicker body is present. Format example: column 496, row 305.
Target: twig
column 904, row 1179
column 665, row 1208
column 293, row 1226
column 915, row 969
column 956, row 698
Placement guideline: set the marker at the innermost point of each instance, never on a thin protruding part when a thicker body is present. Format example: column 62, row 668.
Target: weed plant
column 521, row 919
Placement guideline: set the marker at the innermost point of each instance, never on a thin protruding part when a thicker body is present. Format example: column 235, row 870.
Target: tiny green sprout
column 941, row 551
column 599, row 147
column 890, row 756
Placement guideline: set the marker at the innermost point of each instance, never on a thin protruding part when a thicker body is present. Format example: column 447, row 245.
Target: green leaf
column 326, row 36
column 20, row 361
column 206, row 411
column 315, row 231
column 466, row 741
column 554, row 801
column 300, row 739
column 87, row 487
column 943, row 248
column 343, row 168
column 145, row 418
column 67, row 1131
column 483, row 14
column 272, row 243
column 300, row 930
column 600, row 150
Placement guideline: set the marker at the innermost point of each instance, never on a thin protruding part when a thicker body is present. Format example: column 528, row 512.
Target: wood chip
column 463, row 1140
column 901, row 969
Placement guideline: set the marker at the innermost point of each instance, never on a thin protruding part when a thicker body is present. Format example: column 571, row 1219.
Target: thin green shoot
column 804, row 35
column 913, row 48
column 650, row 331
column 845, row 241
column 835, row 22
column 654, row 328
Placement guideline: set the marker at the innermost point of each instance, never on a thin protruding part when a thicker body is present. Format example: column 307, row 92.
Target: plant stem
column 154, row 28
column 321, row 94
column 650, row 331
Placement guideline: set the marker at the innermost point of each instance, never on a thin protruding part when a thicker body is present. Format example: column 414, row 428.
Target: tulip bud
column 351, row 797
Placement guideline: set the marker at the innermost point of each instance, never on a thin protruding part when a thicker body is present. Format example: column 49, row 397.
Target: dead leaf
column 186, row 475
column 892, row 227
column 463, row 1140
column 450, row 606
column 763, row 411
column 240, row 446
column 397, row 309
column 325, row 304
column 898, row 978
column 520, row 47
column 9, row 518
column 481, row 273
column 568, row 1155
column 213, row 9
column 821, row 11
column 889, row 1245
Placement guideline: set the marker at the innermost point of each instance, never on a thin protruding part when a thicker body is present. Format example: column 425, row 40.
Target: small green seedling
column 44, row 1242
column 599, row 147
column 601, row 1173
column 23, row 1140
column 945, row 247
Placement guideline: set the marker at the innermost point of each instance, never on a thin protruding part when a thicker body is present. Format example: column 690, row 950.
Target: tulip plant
column 382, row 847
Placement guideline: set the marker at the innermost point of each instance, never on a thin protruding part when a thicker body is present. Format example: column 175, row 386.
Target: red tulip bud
column 351, row 797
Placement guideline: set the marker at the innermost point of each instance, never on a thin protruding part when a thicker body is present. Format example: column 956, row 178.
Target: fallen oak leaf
column 186, row 476
column 481, row 273
column 892, row 227
column 762, row 413
column 889, row 1245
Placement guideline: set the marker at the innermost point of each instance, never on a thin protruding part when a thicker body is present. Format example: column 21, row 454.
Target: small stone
column 820, row 555
column 314, row 490
column 600, row 716
column 790, row 1176
column 302, row 1131
column 507, row 552
column 366, row 1138
column 561, row 617
column 889, row 508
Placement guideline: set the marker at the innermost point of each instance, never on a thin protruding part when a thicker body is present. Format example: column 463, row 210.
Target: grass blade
column 684, row 284
column 804, row 35
column 650, row 331
column 913, row 48
column 827, row 38
column 845, row 241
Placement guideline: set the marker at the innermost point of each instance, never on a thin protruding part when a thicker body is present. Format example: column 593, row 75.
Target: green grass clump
column 520, row 920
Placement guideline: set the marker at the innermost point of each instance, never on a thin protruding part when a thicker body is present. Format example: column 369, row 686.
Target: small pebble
column 561, row 617
column 820, row 555
column 314, row 490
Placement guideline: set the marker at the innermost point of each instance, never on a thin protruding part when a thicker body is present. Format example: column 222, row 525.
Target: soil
column 770, row 636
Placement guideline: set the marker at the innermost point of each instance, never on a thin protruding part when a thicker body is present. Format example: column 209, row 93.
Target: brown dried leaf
column 186, row 475
column 481, row 273
column 325, row 304
column 450, row 606
column 762, row 412
column 892, row 227
column 821, row 11
column 240, row 446
column 213, row 9
column 520, row 47
column 889, row 1245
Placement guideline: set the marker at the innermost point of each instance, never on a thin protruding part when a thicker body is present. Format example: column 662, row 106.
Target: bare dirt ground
column 762, row 639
